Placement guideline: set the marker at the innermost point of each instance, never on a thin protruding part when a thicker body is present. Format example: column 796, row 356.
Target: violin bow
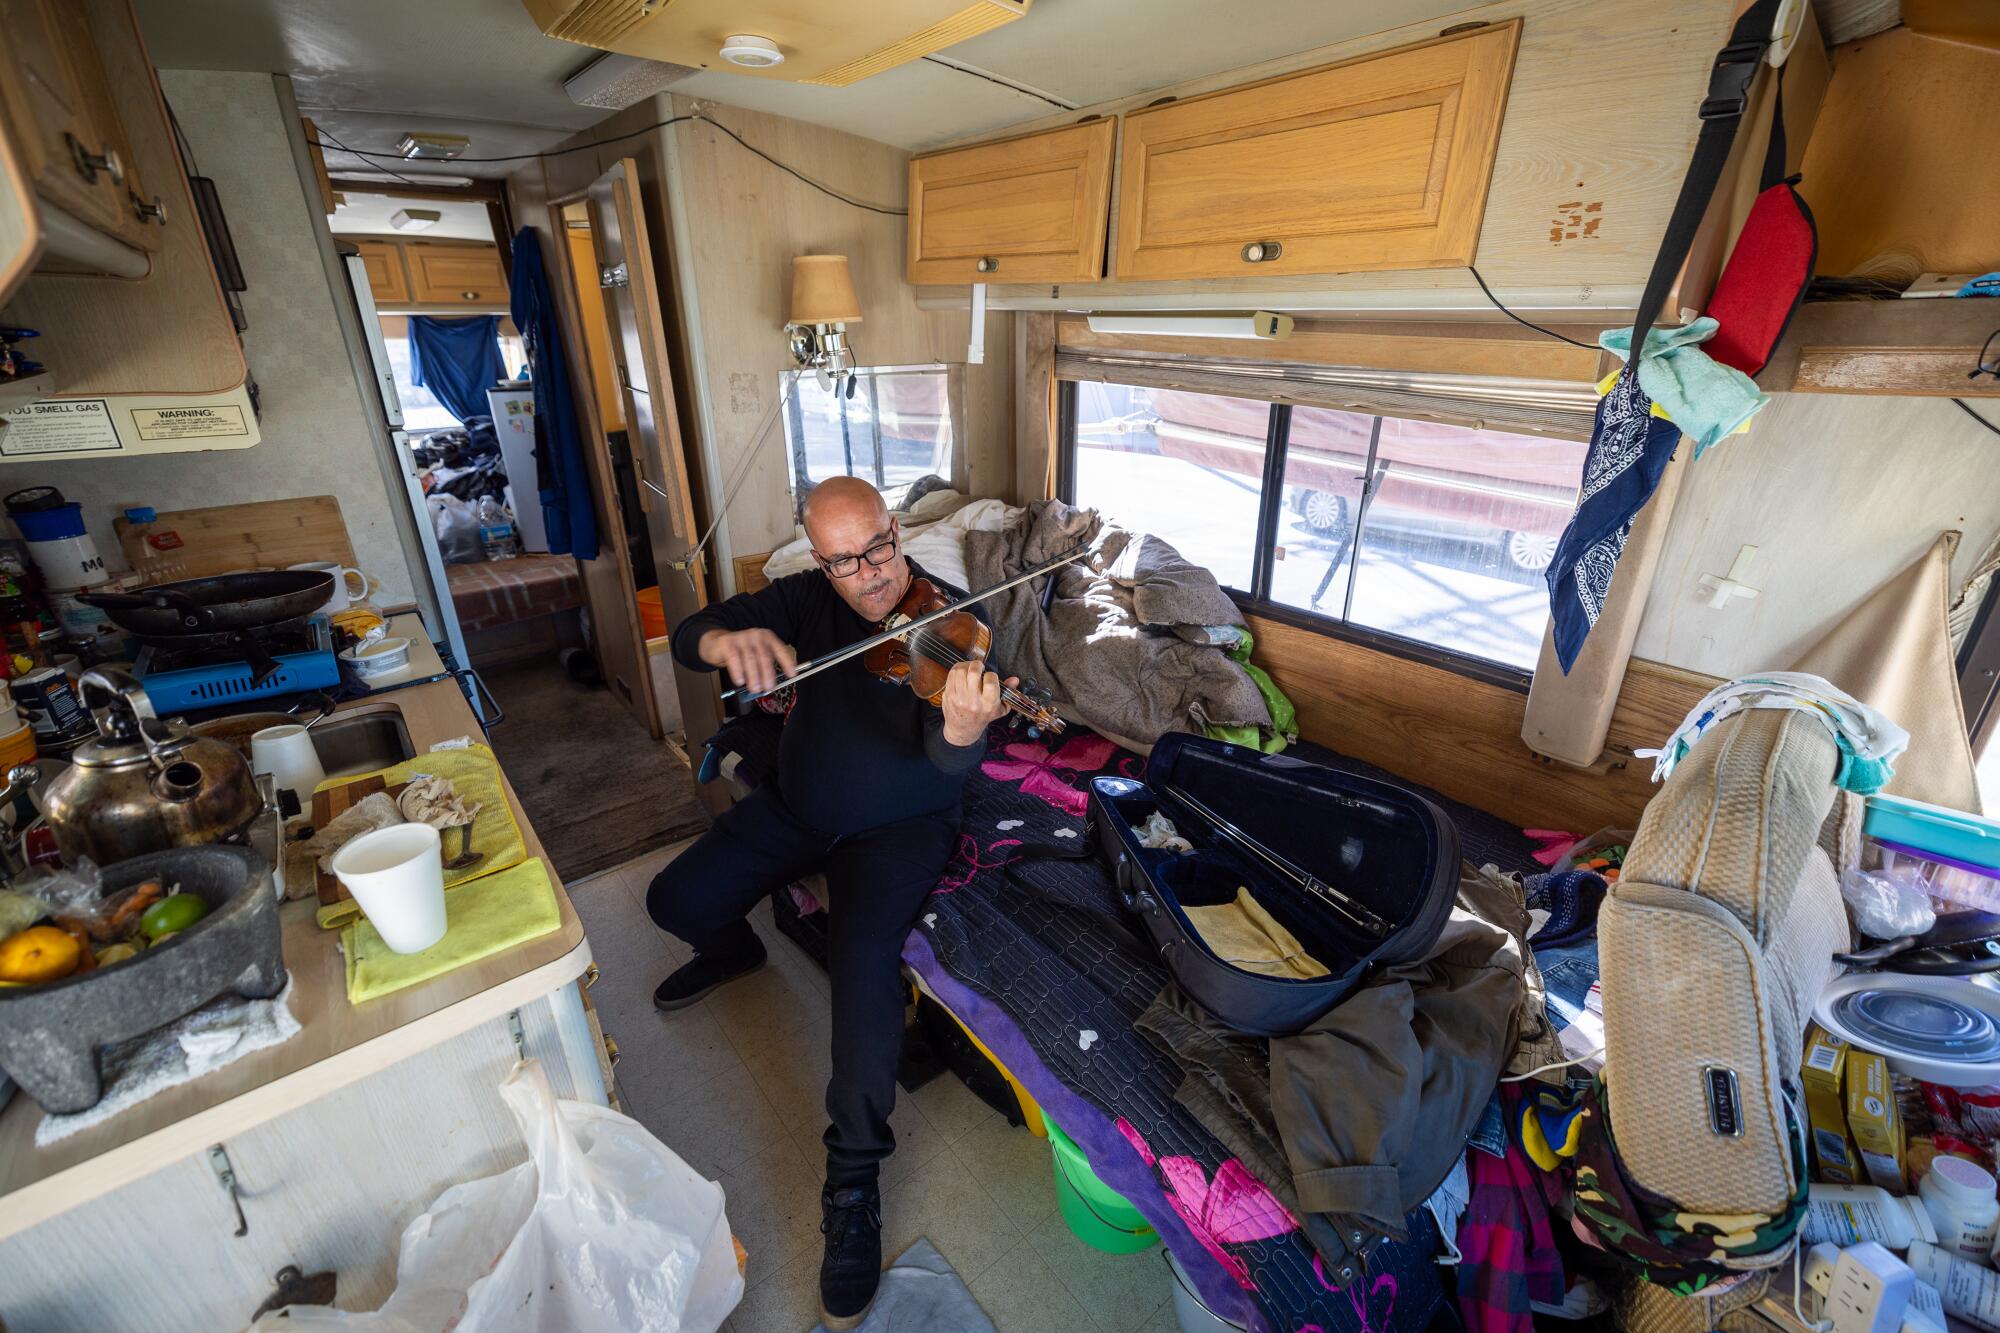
column 819, row 664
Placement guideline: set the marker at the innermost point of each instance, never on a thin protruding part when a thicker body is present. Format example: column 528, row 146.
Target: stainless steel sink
column 362, row 742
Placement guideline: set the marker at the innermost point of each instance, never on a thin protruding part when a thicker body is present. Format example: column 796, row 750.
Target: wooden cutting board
column 332, row 801
column 267, row 534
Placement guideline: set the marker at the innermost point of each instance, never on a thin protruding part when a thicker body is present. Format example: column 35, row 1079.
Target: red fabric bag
column 1765, row 280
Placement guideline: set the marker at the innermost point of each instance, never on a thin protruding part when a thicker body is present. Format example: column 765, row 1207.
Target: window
column 1433, row 533
column 422, row 411
column 892, row 427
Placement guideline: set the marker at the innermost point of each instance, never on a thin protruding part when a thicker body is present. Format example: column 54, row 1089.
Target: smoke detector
column 752, row 52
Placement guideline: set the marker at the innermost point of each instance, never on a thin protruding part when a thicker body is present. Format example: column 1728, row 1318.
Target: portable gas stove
column 181, row 676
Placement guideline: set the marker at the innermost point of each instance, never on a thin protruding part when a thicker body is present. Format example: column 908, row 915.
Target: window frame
column 793, row 425
column 1257, row 599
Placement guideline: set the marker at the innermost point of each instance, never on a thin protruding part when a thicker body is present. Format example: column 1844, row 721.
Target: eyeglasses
column 846, row 566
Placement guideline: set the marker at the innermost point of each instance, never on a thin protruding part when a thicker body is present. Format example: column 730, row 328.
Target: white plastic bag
column 602, row 1228
column 1887, row 904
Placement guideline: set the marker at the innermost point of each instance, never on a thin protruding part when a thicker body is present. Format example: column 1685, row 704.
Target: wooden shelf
column 1923, row 347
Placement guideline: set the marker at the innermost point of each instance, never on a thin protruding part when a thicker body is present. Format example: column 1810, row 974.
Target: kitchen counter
column 341, row 1043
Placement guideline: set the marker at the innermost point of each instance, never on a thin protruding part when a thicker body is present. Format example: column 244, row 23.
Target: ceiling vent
column 831, row 44
column 615, row 82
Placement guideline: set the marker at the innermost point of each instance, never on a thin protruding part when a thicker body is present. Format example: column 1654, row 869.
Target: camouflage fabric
column 1566, row 1132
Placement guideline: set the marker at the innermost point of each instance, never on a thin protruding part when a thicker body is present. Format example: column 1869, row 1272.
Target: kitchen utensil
column 143, row 784
column 286, row 753
column 265, row 534
column 202, row 670
column 50, row 1034
column 1939, row 1029
column 458, row 853
column 397, row 875
column 350, row 585
column 223, row 603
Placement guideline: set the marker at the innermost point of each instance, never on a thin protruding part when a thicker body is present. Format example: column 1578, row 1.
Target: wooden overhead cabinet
column 1381, row 162
column 455, row 274
column 387, row 281
column 1029, row 209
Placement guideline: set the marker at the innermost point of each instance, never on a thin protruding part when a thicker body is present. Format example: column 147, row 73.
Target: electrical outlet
column 1871, row 1288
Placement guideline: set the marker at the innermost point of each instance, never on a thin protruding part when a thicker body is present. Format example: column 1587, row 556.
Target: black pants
column 878, row 880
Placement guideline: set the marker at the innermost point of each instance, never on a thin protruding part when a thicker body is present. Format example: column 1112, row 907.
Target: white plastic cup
column 286, row 753
column 397, row 875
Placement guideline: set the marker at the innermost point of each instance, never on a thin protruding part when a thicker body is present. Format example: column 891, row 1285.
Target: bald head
column 845, row 519
column 840, row 502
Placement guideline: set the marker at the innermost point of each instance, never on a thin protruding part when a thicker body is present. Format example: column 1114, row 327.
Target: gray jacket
column 1357, row 1120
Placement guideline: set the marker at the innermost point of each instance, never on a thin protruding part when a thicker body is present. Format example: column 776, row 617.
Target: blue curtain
column 559, row 466
column 458, row 360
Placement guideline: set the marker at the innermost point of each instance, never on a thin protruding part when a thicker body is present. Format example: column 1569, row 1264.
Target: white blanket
column 936, row 543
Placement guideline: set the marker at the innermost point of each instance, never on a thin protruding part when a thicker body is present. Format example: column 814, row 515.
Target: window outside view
column 1449, row 551
column 893, row 429
column 422, row 412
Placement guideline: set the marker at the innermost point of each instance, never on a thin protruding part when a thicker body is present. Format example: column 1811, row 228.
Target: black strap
column 1774, row 152
column 1119, row 923
column 1721, row 116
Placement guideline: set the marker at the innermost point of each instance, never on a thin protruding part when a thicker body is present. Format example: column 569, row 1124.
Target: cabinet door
column 122, row 182
column 50, row 115
column 456, row 274
column 1032, row 209
column 1376, row 163
column 386, row 280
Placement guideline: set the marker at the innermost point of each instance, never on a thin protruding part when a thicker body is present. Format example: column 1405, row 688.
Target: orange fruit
column 38, row 954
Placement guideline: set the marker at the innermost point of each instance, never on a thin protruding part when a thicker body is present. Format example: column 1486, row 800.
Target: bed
column 488, row 594
column 1050, row 986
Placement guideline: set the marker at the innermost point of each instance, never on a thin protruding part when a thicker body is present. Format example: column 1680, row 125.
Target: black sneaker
column 851, row 1220
column 696, row 979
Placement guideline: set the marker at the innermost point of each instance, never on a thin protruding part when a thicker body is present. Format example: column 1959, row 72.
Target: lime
column 175, row 912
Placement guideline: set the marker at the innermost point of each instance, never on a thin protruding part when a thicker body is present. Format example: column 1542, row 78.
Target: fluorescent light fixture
column 1220, row 324
column 414, row 219
column 432, row 147
column 752, row 52
column 390, row 178
column 614, row 82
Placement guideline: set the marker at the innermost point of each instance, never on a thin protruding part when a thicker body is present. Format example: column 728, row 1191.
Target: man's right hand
column 755, row 657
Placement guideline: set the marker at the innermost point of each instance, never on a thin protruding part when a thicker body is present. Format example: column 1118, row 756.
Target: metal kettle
column 144, row 785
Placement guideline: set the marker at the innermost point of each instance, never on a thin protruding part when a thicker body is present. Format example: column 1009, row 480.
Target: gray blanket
column 1130, row 642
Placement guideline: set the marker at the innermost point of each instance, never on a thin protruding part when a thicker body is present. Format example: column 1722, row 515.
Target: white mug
column 286, row 752
column 396, row 874
column 350, row 585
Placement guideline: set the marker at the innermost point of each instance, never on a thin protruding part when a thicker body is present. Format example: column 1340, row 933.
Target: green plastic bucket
column 1099, row 1215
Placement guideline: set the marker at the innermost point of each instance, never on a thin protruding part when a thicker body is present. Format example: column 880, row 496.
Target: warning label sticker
column 61, row 426
column 188, row 423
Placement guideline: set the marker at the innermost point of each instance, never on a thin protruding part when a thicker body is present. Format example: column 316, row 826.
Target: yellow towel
column 1243, row 933
column 499, row 912
column 476, row 774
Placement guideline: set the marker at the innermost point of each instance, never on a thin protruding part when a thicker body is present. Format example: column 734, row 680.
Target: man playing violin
column 869, row 778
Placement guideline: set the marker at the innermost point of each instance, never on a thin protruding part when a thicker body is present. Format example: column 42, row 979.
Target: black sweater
column 858, row 752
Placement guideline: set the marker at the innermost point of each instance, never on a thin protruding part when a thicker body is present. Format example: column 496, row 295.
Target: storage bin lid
column 1959, row 835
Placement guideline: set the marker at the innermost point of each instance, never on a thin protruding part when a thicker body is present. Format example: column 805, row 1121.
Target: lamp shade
column 823, row 291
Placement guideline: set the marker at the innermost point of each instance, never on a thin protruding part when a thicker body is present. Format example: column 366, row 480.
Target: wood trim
column 1462, row 736
column 747, row 571
column 318, row 156
column 1035, row 408
column 1922, row 347
column 1444, row 349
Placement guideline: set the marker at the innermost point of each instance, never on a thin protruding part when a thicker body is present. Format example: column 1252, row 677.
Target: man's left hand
column 972, row 701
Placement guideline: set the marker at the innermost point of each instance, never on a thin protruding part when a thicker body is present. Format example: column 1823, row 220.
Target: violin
column 924, row 657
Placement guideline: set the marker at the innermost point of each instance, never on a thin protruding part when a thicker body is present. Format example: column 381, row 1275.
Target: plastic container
column 496, row 530
column 652, row 614
column 1189, row 1312
column 1846, row 1215
column 1959, row 1196
column 17, row 746
column 1950, row 836
column 1970, row 1292
column 1098, row 1215
column 1957, row 882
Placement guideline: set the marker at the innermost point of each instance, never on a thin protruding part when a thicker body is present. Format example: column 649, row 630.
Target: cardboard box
column 1872, row 1120
column 1821, row 1071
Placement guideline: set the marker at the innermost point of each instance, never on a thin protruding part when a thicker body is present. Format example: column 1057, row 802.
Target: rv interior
column 1041, row 665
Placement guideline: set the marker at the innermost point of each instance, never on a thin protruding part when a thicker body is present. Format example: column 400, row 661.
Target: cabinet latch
column 614, row 275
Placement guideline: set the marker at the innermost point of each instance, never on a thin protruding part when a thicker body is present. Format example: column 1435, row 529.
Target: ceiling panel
column 368, row 215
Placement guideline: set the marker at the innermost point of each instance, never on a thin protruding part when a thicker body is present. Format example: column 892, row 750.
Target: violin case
column 1363, row 872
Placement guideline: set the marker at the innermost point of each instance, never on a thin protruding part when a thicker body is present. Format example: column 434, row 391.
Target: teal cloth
column 1699, row 394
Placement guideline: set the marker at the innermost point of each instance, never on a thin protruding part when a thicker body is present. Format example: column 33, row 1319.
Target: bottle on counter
column 1959, row 1196
column 1846, row 1215
column 496, row 530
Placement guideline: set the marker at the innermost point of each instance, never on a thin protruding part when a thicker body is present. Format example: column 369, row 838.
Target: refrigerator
column 451, row 638
column 513, row 409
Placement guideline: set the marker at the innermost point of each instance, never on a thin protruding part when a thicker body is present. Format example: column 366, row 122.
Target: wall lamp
column 823, row 305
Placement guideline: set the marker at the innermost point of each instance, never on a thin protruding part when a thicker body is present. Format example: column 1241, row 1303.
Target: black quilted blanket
column 1053, row 991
